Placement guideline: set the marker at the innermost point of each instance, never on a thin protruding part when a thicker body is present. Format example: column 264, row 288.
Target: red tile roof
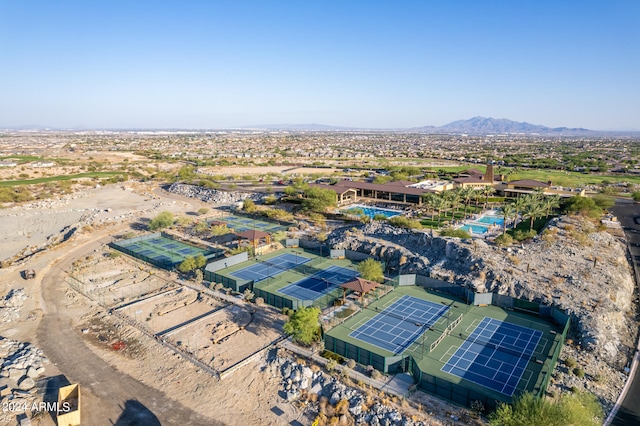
column 360, row 285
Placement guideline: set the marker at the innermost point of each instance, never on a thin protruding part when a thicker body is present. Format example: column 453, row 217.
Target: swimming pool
column 372, row 211
column 491, row 220
column 475, row 229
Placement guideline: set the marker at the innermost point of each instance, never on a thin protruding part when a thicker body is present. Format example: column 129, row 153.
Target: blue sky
column 381, row 64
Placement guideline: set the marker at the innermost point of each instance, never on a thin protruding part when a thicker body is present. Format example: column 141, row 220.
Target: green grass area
column 538, row 224
column 570, row 179
column 430, row 361
column 557, row 177
column 21, row 159
column 35, row 181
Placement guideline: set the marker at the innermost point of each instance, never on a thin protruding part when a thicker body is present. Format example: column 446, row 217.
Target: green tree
column 440, row 204
column 532, row 209
column 584, row 206
column 636, row 196
column 219, row 230
column 508, row 211
column 371, row 270
column 249, row 206
column 200, row 260
column 318, row 199
column 487, row 191
column 466, row 195
column 187, row 265
column 161, row 221
column 603, row 201
column 290, row 191
column 200, row 227
column 303, row 325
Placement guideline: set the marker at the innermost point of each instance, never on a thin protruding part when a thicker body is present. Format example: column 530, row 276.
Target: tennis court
column 269, row 268
column 400, row 324
column 318, row 284
column 241, row 224
column 160, row 250
column 495, row 355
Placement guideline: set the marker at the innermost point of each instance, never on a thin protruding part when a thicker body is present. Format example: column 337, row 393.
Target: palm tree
column 508, row 210
column 455, row 198
column 551, row 202
column 533, row 209
column 440, row 204
column 429, row 199
column 519, row 206
column 452, row 199
column 488, row 191
column 466, row 194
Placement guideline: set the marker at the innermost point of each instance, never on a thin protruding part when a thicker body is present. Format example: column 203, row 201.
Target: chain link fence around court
column 442, row 387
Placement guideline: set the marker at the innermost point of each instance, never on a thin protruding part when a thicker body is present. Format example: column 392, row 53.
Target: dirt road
column 109, row 396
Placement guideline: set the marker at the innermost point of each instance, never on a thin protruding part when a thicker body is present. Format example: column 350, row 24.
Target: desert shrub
column 579, row 372
column 504, row 240
column 376, row 375
column 351, row 363
column 403, row 222
column 520, row 235
column 456, row 233
column 162, row 220
column 259, row 301
column 331, row 364
column 570, row 362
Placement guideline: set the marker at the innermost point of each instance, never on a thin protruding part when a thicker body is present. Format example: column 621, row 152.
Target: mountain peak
column 486, row 125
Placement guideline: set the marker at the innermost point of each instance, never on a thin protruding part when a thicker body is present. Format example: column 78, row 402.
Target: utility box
column 69, row 405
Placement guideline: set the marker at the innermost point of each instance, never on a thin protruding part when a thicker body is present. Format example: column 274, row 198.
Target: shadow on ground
column 136, row 414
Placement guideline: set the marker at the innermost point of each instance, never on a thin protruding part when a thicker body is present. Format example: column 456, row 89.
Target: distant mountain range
column 486, row 126
column 472, row 126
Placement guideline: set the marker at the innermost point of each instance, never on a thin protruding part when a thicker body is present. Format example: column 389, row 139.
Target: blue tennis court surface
column 269, row 268
column 400, row 324
column 318, row 284
column 495, row 355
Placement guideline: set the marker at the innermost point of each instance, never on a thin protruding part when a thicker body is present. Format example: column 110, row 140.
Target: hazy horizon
column 377, row 65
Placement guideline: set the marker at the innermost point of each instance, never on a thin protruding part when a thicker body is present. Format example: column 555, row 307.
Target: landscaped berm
column 461, row 352
column 289, row 278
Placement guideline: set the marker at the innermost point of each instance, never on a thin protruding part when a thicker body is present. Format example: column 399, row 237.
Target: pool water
column 491, row 220
column 373, row 211
column 475, row 229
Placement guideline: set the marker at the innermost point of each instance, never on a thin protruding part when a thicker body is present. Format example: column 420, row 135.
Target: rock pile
column 212, row 195
column 10, row 305
column 22, row 365
column 299, row 379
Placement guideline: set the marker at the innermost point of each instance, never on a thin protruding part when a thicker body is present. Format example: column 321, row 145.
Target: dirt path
column 106, row 391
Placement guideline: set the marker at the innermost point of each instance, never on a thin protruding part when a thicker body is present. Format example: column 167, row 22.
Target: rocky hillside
column 585, row 270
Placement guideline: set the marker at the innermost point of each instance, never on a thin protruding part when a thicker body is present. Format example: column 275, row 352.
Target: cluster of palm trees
column 529, row 206
column 455, row 199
